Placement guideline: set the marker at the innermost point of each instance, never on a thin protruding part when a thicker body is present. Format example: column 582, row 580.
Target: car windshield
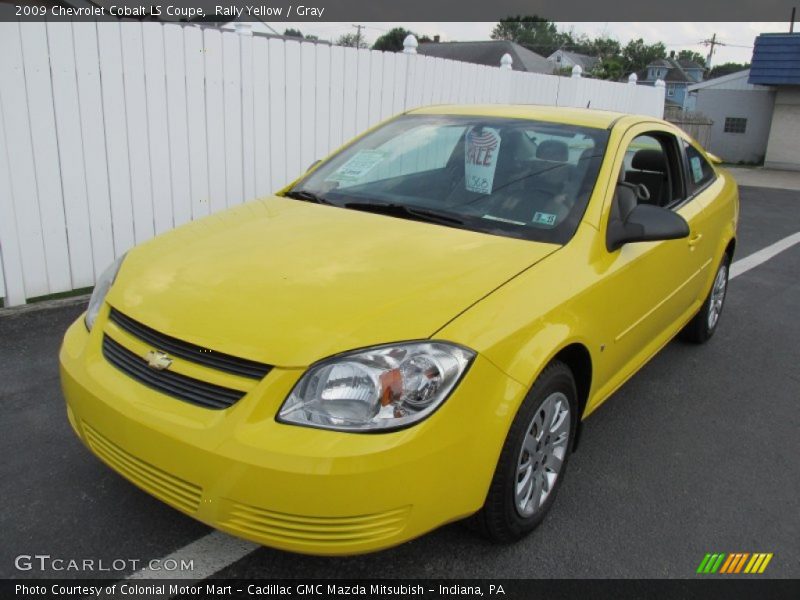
column 513, row 177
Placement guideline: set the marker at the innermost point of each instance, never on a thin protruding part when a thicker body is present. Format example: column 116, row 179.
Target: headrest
column 516, row 146
column 649, row 160
column 553, row 150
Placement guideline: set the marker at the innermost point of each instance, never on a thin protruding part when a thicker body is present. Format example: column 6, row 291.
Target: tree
column 352, row 40
column 726, row 69
column 537, row 34
column 611, row 68
column 693, row 56
column 299, row 34
column 392, row 41
column 604, row 47
column 637, row 55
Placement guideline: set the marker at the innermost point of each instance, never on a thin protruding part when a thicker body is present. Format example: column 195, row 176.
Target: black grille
column 197, row 354
column 179, row 386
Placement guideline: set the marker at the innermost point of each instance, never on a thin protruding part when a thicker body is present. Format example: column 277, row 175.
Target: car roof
column 584, row 117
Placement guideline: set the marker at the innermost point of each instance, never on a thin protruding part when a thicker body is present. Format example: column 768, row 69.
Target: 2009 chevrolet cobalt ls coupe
column 409, row 334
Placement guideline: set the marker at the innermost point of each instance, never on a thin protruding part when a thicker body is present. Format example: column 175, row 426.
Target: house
column 677, row 75
column 566, row 60
column 776, row 63
column 741, row 113
column 489, row 53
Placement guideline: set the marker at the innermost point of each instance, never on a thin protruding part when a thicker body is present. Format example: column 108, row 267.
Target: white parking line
column 217, row 550
column 753, row 260
column 211, row 553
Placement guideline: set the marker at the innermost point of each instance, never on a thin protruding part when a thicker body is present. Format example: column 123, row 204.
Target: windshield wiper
column 307, row 196
column 408, row 212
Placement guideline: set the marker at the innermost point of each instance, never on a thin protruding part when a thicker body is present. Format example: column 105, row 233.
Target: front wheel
column 700, row 329
column 534, row 458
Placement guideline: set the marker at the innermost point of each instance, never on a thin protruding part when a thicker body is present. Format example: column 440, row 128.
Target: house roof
column 731, row 81
column 776, row 59
column 685, row 63
column 676, row 69
column 586, row 62
column 488, row 53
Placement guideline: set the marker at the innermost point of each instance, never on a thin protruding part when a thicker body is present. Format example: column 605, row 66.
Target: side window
column 652, row 161
column 700, row 172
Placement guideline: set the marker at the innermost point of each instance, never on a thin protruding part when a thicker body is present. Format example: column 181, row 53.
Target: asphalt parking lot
column 698, row 453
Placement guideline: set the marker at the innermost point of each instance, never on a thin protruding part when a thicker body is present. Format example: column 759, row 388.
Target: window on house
column 671, row 91
column 735, row 125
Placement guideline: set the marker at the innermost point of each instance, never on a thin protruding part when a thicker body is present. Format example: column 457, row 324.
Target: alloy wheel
column 542, row 455
column 717, row 296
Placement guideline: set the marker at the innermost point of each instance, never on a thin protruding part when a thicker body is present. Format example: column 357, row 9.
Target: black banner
column 398, row 10
column 739, row 587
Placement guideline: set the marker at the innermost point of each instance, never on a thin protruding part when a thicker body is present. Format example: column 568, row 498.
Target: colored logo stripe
column 734, row 562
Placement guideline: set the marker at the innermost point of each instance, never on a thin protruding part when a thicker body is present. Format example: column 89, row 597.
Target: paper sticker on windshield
column 697, row 169
column 543, row 218
column 358, row 166
column 480, row 158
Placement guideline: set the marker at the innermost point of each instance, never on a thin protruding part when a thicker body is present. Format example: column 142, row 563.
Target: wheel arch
column 731, row 248
column 579, row 360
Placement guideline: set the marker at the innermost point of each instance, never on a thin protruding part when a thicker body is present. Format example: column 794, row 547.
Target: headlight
column 376, row 389
column 104, row 283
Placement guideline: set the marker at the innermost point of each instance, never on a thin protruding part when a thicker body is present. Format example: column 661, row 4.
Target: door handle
column 695, row 239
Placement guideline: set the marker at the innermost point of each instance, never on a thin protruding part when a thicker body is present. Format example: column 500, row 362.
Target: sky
column 738, row 37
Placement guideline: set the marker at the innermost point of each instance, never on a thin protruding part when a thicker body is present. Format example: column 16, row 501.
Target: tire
column 703, row 325
column 502, row 518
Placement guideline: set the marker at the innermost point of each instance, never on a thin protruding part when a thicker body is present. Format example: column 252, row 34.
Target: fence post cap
column 506, row 61
column 660, row 83
column 577, row 71
column 410, row 44
column 633, row 78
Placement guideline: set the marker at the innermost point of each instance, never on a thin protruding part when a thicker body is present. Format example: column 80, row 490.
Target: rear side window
column 700, row 172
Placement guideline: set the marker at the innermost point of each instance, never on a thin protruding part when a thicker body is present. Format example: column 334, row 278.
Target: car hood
column 288, row 282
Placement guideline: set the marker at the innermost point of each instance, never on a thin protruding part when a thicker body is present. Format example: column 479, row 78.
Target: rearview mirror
column 646, row 223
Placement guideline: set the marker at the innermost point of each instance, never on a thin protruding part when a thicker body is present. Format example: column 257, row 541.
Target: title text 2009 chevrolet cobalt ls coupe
column 409, row 334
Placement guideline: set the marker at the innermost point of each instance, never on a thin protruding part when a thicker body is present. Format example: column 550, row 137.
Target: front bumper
column 295, row 488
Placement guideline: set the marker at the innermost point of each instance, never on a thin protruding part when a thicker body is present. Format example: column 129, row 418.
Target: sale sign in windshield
column 480, row 158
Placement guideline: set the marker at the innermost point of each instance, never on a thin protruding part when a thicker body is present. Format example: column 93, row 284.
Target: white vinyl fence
column 111, row 133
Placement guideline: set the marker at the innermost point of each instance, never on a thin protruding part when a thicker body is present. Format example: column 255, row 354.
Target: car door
column 650, row 288
column 704, row 186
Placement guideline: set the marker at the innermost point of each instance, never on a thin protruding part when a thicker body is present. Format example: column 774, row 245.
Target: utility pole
column 358, row 35
column 711, row 43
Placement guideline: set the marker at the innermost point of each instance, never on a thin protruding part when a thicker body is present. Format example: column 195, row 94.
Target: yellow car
column 408, row 335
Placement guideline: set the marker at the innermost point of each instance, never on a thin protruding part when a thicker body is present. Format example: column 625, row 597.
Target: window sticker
column 358, row 166
column 697, row 169
column 543, row 218
column 480, row 159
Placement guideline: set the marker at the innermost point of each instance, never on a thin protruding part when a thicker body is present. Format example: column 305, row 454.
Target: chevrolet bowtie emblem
column 158, row 360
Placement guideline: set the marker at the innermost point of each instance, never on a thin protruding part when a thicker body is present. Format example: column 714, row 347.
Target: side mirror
column 646, row 223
